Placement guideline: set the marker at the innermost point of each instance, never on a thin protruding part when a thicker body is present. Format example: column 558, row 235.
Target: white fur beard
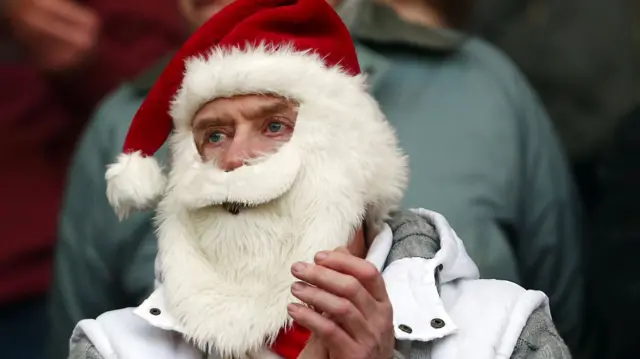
column 227, row 277
column 198, row 184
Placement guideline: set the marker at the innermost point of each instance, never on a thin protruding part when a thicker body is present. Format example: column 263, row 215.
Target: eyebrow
column 263, row 110
column 205, row 122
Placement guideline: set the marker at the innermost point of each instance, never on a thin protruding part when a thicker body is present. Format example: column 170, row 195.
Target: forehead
column 247, row 105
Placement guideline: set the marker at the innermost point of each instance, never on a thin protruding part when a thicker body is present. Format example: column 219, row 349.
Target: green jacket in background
column 482, row 153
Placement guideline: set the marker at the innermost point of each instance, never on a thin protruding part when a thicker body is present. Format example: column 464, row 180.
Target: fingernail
column 298, row 267
column 297, row 287
column 292, row 308
column 321, row 256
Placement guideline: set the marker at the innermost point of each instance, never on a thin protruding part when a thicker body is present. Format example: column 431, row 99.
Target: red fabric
column 307, row 24
column 40, row 120
column 291, row 342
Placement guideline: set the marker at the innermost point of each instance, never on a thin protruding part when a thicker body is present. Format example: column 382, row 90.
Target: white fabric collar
column 419, row 312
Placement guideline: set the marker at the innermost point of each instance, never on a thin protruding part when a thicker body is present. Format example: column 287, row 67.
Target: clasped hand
column 353, row 318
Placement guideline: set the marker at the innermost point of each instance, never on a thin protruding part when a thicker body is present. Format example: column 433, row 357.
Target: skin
column 430, row 13
column 230, row 131
column 353, row 316
column 59, row 35
column 348, row 310
column 197, row 12
column 422, row 12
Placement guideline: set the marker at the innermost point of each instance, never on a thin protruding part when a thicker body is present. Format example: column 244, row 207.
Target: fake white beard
column 227, row 277
column 197, row 184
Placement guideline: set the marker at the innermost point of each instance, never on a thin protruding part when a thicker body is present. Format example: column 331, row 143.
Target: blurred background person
column 583, row 57
column 481, row 146
column 102, row 263
column 614, row 267
column 578, row 55
column 57, row 59
column 482, row 149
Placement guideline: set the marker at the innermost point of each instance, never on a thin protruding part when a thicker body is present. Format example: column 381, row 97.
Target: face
column 197, row 12
column 232, row 131
column 246, row 196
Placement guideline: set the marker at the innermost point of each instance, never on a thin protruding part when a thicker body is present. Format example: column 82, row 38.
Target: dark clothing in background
column 614, row 268
column 40, row 120
column 583, row 57
column 22, row 335
column 634, row 5
column 578, row 56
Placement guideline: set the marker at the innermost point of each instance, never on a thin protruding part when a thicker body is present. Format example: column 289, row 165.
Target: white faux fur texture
column 338, row 121
column 282, row 70
column 134, row 182
column 227, row 277
column 197, row 184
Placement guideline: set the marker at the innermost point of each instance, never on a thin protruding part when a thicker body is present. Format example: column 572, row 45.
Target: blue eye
column 216, row 137
column 274, row 127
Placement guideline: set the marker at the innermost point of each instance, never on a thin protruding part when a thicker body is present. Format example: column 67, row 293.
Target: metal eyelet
column 437, row 323
column 405, row 328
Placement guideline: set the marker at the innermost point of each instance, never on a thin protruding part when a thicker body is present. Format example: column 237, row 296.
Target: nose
column 239, row 151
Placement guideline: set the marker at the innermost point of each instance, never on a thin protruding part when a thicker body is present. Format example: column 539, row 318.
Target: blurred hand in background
column 59, row 35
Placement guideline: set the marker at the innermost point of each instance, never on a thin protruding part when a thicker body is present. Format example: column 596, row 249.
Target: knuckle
column 351, row 287
column 343, row 307
column 329, row 330
column 369, row 272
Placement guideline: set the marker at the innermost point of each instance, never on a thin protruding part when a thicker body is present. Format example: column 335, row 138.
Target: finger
column 51, row 29
column 66, row 22
column 70, row 12
column 343, row 250
column 361, row 269
column 334, row 308
column 330, row 334
column 339, row 284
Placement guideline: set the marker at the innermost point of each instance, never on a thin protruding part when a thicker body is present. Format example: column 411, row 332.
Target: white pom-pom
column 134, row 182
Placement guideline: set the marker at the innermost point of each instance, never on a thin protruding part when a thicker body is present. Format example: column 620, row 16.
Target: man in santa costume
column 271, row 219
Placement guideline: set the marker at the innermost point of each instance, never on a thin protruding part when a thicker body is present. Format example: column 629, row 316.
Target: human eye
column 274, row 126
column 216, row 137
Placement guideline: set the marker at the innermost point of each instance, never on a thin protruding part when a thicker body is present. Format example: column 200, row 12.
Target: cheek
column 211, row 153
column 265, row 145
column 272, row 143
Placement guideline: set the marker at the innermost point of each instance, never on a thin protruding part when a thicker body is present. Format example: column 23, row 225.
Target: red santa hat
column 285, row 47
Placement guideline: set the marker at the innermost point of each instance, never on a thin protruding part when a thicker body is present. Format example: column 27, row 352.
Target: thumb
column 342, row 249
